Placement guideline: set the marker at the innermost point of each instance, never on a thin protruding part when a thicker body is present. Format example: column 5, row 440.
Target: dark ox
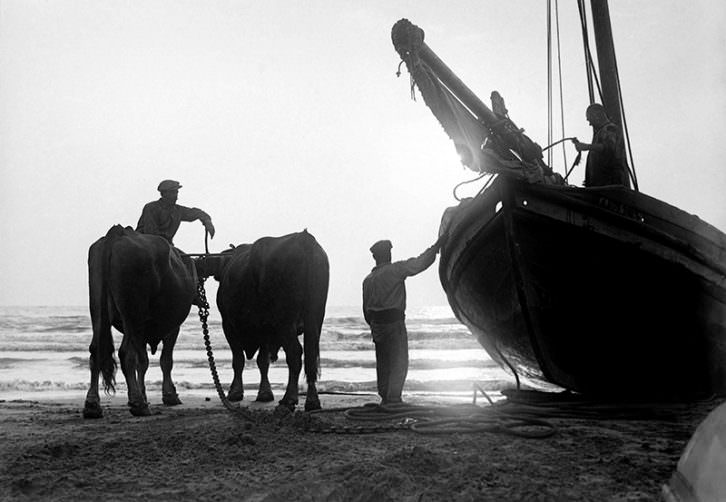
column 139, row 285
column 269, row 293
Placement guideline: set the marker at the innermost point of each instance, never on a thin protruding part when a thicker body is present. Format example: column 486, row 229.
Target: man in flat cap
column 384, row 307
column 606, row 160
column 163, row 217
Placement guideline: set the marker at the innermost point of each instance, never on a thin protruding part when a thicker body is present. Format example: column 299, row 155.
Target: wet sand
column 202, row 451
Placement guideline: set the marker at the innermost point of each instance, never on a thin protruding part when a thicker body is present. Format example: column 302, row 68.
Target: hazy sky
column 278, row 116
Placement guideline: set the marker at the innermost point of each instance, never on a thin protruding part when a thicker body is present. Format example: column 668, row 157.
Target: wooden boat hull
column 601, row 291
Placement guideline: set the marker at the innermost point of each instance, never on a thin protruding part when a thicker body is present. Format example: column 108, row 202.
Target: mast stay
column 609, row 84
column 486, row 139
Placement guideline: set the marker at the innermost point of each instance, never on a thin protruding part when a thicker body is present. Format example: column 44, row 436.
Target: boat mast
column 609, row 78
column 606, row 60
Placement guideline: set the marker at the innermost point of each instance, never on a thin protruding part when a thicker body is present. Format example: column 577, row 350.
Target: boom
column 486, row 139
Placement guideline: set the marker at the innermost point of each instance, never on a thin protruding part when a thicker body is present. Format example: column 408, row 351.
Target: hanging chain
column 203, row 315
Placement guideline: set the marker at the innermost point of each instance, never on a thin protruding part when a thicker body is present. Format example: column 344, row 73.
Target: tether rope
column 439, row 420
column 525, row 414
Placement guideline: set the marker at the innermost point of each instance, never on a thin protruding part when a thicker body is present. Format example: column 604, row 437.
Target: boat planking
column 603, row 291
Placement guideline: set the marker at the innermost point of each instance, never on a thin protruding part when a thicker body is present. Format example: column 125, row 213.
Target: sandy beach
column 202, row 451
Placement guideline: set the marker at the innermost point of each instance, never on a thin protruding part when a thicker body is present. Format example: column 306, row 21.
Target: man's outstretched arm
column 193, row 214
column 416, row 265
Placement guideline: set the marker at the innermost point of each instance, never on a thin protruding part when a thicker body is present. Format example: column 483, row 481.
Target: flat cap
column 169, row 185
column 381, row 246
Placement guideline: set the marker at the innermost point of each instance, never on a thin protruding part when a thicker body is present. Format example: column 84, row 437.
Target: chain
column 203, row 315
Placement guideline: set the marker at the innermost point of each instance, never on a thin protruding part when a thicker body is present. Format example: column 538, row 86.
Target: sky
column 278, row 116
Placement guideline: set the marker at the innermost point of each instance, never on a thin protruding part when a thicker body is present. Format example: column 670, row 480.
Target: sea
column 44, row 351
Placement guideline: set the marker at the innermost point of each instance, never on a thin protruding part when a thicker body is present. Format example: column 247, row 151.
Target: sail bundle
column 487, row 141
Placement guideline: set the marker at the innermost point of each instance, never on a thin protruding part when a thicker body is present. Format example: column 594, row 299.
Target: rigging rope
column 586, row 46
column 439, row 420
column 592, row 74
column 589, row 61
column 491, row 176
column 559, row 76
column 549, row 78
column 523, row 413
column 631, row 166
column 550, row 107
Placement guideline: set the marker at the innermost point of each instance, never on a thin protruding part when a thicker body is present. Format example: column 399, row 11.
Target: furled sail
column 486, row 140
column 458, row 122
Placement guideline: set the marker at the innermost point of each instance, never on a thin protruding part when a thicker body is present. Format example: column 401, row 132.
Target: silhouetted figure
column 384, row 307
column 606, row 160
column 163, row 217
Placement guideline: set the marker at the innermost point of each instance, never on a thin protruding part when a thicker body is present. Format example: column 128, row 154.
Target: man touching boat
column 384, row 307
column 606, row 160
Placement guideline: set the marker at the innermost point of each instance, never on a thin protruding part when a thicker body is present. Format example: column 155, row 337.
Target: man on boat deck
column 163, row 217
column 606, row 161
column 384, row 307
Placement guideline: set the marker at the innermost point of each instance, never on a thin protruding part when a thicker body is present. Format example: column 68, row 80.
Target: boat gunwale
column 575, row 202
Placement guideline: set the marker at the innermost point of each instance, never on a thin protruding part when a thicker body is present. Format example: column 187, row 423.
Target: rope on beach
column 526, row 414
column 567, row 405
column 512, row 425
column 440, row 420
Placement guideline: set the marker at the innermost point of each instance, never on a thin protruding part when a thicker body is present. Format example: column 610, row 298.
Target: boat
column 602, row 291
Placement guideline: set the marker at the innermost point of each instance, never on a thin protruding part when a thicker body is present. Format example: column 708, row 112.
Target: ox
column 139, row 285
column 269, row 293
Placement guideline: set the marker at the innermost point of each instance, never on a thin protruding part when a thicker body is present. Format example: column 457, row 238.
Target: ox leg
column 141, row 374
column 236, row 390
column 312, row 356
column 264, row 393
column 129, row 356
column 293, row 354
column 312, row 401
column 92, row 407
column 168, row 390
column 234, row 339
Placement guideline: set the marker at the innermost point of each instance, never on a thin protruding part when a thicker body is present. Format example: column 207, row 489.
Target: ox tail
column 104, row 347
column 318, row 271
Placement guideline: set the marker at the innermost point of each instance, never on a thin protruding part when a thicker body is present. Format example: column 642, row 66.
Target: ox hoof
column 284, row 409
column 235, row 396
column 265, row 396
column 312, row 405
column 171, row 400
column 92, row 410
column 140, row 411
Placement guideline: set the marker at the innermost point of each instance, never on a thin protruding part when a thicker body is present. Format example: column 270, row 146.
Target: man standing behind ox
column 384, row 307
column 163, row 217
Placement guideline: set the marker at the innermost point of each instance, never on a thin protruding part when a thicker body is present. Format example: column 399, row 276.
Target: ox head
column 212, row 265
